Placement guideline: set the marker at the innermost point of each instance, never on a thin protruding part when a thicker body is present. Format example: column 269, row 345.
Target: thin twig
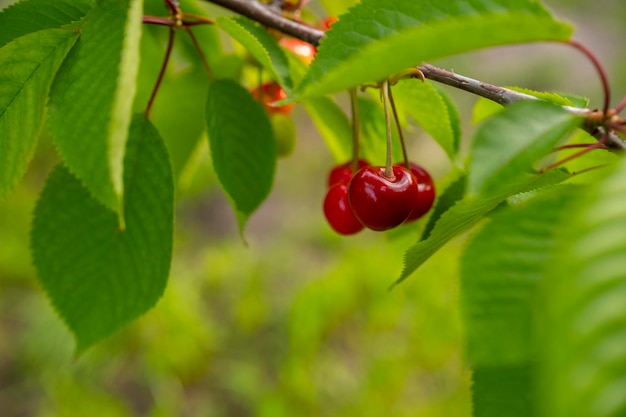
column 168, row 53
column 196, row 45
column 264, row 15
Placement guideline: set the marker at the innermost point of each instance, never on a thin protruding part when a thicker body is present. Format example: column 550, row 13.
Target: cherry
column 269, row 93
column 338, row 213
column 304, row 50
column 326, row 23
column 342, row 174
column 425, row 192
column 381, row 202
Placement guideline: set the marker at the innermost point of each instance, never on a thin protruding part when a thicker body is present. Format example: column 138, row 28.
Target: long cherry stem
column 389, row 162
column 196, row 45
column 168, row 54
column 155, row 20
column 597, row 145
column 620, row 106
column 599, row 69
column 399, row 127
column 356, row 123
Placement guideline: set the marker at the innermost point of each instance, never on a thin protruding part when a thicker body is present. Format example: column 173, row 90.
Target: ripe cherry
column 269, row 93
column 326, row 23
column 425, row 192
column 381, row 202
column 304, row 50
column 338, row 213
column 342, row 174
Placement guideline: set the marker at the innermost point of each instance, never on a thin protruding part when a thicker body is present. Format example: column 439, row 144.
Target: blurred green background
column 299, row 322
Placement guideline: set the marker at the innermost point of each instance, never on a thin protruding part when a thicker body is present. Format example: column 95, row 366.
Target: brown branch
column 266, row 16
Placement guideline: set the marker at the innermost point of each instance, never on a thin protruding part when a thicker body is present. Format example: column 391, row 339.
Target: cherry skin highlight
column 425, row 192
column 305, row 51
column 338, row 212
column 381, row 202
column 342, row 174
column 269, row 93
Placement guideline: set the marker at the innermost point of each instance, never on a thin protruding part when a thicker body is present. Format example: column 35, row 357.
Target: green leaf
column 97, row 276
column 29, row 65
column 584, row 323
column 92, row 97
column 467, row 213
column 28, row 16
column 261, row 46
column 500, row 273
column 428, row 108
column 453, row 193
column 507, row 145
column 378, row 38
column 333, row 125
column 242, row 146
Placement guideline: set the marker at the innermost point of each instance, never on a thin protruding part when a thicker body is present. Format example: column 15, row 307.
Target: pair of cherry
column 373, row 198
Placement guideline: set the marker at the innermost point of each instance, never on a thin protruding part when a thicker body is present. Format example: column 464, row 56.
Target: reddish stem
column 196, row 45
column 168, row 53
column 154, row 20
column 597, row 145
column 599, row 69
column 174, row 6
column 620, row 106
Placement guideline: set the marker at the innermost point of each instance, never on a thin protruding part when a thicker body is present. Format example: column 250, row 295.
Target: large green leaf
column 430, row 110
column 92, row 97
column 507, row 145
column 29, row 65
column 467, row 213
column 445, row 200
column 242, row 146
column 28, row 16
column 584, row 323
column 261, row 45
column 98, row 276
column 378, row 38
column 500, row 273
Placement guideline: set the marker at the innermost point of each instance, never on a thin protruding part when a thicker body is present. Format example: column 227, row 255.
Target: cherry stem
column 354, row 105
column 168, row 54
column 154, row 20
column 399, row 127
column 173, row 6
column 389, row 162
column 599, row 69
column 196, row 45
column 597, row 145
column 620, row 106
column 572, row 146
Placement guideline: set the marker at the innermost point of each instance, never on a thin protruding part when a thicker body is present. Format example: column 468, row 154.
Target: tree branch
column 266, row 16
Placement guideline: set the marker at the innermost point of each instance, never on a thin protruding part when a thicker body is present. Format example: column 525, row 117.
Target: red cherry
column 338, row 213
column 328, row 21
column 303, row 49
column 342, row 174
column 381, row 202
column 425, row 192
column 270, row 93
